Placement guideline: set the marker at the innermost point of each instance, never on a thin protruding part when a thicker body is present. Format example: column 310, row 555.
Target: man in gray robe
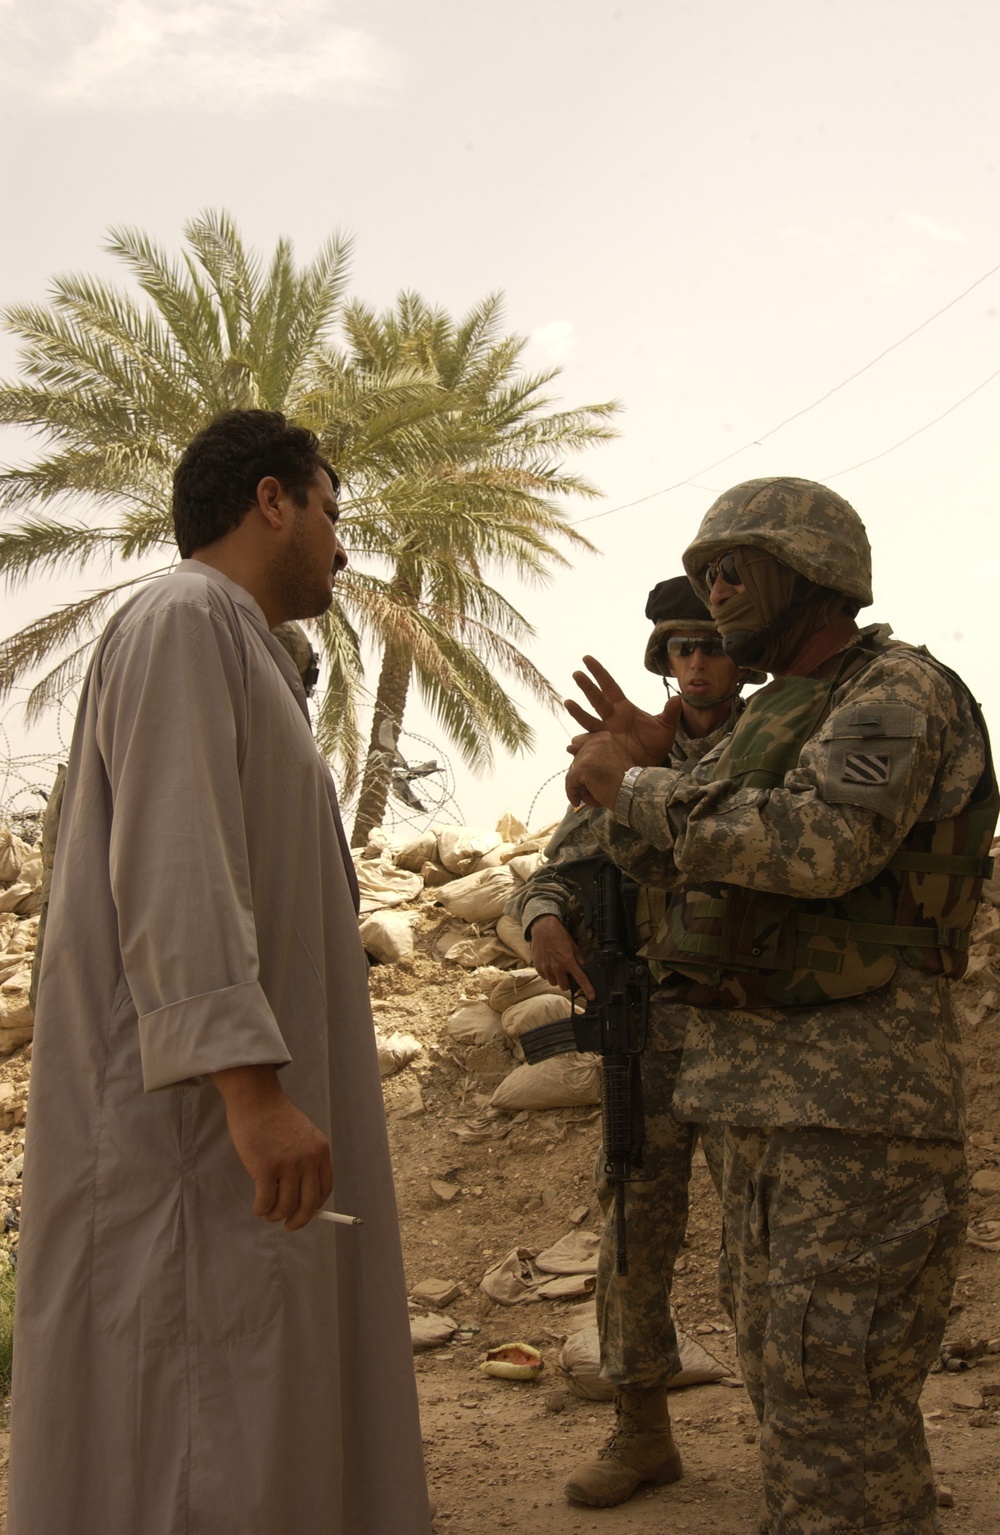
column 194, row 1352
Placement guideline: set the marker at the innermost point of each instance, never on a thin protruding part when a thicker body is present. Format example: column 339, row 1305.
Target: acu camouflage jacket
column 550, row 890
column 886, row 1061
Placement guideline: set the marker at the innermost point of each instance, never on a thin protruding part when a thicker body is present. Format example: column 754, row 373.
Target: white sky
column 713, row 212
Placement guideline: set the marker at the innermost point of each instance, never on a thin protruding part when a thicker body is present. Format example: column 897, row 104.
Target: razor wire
column 26, row 778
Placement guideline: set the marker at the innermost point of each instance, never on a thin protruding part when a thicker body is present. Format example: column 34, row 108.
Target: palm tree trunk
column 390, row 701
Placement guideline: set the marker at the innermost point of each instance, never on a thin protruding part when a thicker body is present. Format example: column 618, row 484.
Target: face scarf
column 768, row 623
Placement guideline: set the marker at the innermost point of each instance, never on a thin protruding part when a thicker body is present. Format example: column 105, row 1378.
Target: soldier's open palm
column 647, row 738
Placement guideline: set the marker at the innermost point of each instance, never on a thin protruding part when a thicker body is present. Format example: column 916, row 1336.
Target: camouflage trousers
column 638, row 1338
column 842, row 1250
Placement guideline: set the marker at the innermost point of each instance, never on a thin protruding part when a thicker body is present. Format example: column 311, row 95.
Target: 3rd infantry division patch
column 865, row 767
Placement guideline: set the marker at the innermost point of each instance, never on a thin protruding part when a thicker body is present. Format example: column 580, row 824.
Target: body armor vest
column 733, row 947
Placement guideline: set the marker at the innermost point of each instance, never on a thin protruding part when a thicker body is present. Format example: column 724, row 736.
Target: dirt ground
column 498, row 1451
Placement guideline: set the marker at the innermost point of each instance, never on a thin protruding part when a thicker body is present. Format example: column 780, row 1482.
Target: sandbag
column 475, row 1023
column 449, row 935
column 23, row 936
column 519, row 985
column 12, row 855
column 388, row 935
column 413, row 855
column 459, row 847
column 565, row 1270
column 534, row 842
column 25, row 899
column 580, row 1362
column 380, row 883
column 531, row 1014
column 575, row 1253
column 561, row 1082
column 474, row 952
column 524, row 865
column 510, row 828
column 495, row 857
column 510, row 933
column 434, row 874
column 395, row 1051
column 381, row 841
column 478, row 897
column 431, row 1331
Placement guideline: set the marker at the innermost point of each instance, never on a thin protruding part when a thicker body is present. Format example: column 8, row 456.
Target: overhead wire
column 755, row 442
column 926, row 427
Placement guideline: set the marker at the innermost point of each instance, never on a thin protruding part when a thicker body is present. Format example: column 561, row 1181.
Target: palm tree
column 444, row 447
column 481, row 502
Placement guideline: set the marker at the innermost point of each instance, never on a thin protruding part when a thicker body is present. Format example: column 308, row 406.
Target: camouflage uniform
column 638, row 1338
column 844, row 1177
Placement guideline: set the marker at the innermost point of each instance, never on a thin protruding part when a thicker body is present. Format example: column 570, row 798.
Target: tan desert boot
column 641, row 1449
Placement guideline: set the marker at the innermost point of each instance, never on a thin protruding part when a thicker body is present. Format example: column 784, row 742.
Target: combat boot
column 641, row 1449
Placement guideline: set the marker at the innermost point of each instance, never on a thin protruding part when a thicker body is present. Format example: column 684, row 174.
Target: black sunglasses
column 680, row 646
column 725, row 567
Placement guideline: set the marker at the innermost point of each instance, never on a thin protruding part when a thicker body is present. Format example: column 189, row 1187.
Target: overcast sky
column 715, row 212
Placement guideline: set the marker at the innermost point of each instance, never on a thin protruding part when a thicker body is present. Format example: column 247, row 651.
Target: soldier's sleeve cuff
column 648, row 806
column 540, row 907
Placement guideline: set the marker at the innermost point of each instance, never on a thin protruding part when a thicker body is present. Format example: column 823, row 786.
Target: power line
column 926, row 426
column 755, row 442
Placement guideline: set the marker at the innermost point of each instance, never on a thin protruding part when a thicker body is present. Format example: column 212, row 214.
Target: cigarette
column 342, row 1220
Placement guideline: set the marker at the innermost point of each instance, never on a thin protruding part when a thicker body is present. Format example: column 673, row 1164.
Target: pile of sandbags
column 469, row 871
column 517, row 1002
column 20, row 901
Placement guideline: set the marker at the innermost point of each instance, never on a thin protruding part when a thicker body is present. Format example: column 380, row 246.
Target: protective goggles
column 724, row 567
column 680, row 646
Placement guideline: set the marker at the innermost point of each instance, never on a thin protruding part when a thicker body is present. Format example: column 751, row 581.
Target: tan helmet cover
column 295, row 640
column 801, row 523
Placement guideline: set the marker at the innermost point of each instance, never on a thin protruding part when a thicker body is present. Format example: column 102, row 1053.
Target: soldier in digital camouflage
column 823, row 865
column 638, row 1341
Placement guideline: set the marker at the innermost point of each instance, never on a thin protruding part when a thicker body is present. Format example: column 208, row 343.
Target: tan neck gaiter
column 769, row 590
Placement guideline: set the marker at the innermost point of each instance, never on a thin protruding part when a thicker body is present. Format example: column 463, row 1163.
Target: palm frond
column 40, row 544
column 63, row 626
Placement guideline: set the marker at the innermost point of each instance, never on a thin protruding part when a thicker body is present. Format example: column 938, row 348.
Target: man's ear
column 272, row 503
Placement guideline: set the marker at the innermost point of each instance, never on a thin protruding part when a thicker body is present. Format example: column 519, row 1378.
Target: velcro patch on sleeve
column 866, row 767
column 869, row 757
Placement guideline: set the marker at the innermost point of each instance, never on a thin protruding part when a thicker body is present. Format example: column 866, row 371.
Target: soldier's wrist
column 623, row 799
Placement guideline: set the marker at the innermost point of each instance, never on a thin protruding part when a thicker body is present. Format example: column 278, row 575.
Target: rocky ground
column 497, row 1451
column 473, row 1183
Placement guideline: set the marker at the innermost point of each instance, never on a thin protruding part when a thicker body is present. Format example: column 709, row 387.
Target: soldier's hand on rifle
column 647, row 739
column 556, row 957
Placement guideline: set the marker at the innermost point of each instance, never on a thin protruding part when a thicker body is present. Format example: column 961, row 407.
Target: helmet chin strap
column 709, row 700
column 703, row 700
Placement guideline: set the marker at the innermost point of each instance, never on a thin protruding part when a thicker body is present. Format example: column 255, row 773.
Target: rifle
column 613, row 1025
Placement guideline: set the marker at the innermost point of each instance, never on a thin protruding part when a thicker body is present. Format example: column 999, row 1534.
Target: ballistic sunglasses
column 683, row 645
column 724, row 567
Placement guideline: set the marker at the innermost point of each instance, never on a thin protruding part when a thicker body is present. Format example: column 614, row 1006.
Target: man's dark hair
column 215, row 483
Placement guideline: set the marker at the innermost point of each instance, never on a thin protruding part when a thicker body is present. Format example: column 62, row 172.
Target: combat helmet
column 295, row 640
column 671, row 606
column 805, row 525
column 675, row 607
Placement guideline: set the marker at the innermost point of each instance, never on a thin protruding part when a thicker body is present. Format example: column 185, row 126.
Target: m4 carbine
column 613, row 1025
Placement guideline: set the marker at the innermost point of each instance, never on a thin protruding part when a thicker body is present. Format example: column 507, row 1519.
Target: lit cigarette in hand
column 342, row 1220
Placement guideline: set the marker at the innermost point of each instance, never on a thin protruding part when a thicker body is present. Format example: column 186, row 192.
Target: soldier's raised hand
column 646, row 739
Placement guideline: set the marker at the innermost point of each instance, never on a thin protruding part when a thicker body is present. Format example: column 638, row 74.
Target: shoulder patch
column 866, row 767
